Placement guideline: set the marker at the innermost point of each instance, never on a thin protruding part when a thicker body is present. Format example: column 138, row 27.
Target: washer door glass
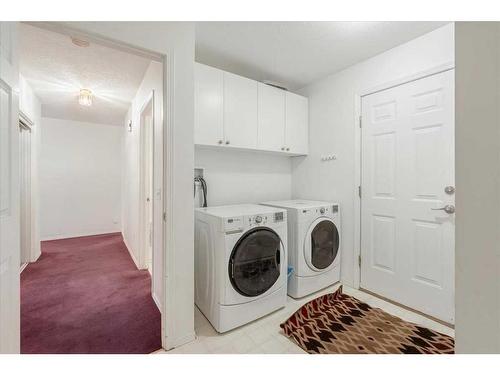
column 324, row 244
column 254, row 265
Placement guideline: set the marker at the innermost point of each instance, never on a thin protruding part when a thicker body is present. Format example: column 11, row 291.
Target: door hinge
column 359, row 261
column 359, row 191
column 360, row 121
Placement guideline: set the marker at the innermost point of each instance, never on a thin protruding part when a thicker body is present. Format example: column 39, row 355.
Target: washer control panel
column 257, row 220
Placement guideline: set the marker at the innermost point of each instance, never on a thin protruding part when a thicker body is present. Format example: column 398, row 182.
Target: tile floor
column 264, row 336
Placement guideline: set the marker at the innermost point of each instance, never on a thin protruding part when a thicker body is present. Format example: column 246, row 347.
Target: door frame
column 169, row 337
column 358, row 97
column 26, row 123
column 150, row 100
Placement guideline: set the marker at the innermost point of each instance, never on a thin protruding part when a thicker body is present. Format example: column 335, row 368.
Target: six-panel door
column 407, row 238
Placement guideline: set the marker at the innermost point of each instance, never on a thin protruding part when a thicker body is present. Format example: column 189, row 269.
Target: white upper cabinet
column 208, row 105
column 271, row 118
column 233, row 111
column 240, row 111
column 297, row 124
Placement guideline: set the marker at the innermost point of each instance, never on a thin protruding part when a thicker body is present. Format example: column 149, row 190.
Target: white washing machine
column 240, row 263
column 313, row 245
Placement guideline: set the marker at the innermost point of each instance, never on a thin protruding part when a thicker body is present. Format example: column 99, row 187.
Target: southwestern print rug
column 341, row 324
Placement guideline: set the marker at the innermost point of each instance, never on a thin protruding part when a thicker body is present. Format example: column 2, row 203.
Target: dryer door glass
column 324, row 244
column 254, row 265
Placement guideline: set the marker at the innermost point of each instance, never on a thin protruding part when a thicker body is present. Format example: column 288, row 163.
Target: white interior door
column 9, row 191
column 25, row 184
column 407, row 240
column 148, row 180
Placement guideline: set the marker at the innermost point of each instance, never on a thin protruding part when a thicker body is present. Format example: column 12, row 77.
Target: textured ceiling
column 296, row 54
column 56, row 69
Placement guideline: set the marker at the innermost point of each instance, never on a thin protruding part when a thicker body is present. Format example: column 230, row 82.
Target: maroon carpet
column 85, row 295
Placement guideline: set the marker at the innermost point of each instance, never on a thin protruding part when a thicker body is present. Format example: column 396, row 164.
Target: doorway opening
column 100, row 195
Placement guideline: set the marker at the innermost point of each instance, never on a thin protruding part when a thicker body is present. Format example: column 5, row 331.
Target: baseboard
column 23, row 267
column 130, row 253
column 76, row 235
column 172, row 343
column 35, row 258
column 157, row 301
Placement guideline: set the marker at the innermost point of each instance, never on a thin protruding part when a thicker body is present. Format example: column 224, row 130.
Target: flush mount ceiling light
column 85, row 97
column 80, row 42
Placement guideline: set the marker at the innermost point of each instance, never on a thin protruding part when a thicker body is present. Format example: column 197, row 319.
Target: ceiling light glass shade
column 85, row 97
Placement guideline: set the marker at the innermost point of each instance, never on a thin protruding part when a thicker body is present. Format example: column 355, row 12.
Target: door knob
column 449, row 190
column 449, row 209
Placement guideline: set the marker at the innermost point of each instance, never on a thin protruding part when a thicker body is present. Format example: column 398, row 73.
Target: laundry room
column 280, row 143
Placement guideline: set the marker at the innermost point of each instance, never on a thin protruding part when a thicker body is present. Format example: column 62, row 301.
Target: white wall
column 153, row 80
column 235, row 177
column 332, row 125
column 477, row 323
column 176, row 41
column 31, row 107
column 80, row 178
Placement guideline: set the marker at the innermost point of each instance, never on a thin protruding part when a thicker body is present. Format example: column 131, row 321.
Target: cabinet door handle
column 288, row 148
column 282, row 149
column 227, row 142
column 220, row 141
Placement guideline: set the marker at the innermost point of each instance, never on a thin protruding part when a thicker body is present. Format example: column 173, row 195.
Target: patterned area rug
column 339, row 323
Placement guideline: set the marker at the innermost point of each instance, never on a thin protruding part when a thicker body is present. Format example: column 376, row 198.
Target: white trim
column 169, row 288
column 142, row 196
column 409, row 78
column 25, row 119
column 23, row 267
column 76, row 235
column 357, row 151
column 130, row 252
column 157, row 301
column 181, row 341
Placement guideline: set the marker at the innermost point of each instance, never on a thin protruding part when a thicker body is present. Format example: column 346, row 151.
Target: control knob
column 322, row 210
column 258, row 219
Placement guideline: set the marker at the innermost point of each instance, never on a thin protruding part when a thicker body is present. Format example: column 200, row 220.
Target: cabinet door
column 240, row 111
column 208, row 105
column 297, row 123
column 271, row 129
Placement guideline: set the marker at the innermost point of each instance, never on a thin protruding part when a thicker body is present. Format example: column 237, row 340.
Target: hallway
column 85, row 295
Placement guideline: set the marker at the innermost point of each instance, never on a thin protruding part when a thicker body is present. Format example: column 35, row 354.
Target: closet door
column 297, row 119
column 240, row 111
column 271, row 118
column 208, row 118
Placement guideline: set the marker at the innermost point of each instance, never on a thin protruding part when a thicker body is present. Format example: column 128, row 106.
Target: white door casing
column 25, row 185
column 9, row 191
column 146, row 183
column 407, row 246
